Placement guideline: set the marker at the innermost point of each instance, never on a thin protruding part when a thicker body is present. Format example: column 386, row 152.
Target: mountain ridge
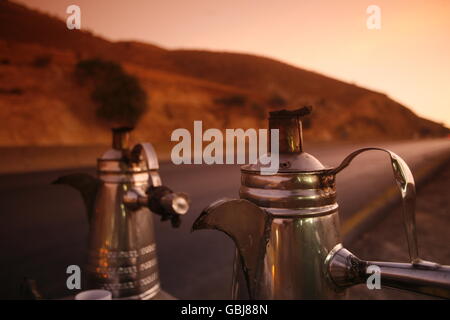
column 222, row 88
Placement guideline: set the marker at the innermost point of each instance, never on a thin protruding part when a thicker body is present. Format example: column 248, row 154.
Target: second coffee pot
column 286, row 230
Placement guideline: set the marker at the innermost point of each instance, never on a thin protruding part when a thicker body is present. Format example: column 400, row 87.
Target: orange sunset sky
column 408, row 59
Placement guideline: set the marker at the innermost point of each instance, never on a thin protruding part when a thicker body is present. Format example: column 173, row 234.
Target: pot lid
column 292, row 158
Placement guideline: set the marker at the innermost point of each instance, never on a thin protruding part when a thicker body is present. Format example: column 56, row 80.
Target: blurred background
column 160, row 65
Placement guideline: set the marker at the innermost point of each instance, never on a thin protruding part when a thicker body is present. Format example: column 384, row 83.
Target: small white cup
column 96, row 294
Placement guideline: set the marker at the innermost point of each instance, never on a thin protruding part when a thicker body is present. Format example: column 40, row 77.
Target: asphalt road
column 44, row 229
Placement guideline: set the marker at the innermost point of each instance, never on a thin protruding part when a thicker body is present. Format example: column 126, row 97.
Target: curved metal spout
column 87, row 185
column 430, row 278
column 247, row 224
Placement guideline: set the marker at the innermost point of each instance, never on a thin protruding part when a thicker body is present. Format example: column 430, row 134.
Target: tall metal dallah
column 122, row 250
column 286, row 228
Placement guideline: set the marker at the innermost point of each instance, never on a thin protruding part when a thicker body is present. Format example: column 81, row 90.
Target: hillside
column 42, row 104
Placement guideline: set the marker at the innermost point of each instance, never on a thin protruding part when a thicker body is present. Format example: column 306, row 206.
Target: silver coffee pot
column 122, row 250
column 286, row 228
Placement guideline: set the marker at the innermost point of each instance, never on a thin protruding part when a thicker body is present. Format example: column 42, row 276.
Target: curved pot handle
column 405, row 182
column 146, row 152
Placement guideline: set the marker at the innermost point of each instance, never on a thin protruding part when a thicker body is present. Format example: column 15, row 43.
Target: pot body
column 294, row 263
column 304, row 229
column 122, row 250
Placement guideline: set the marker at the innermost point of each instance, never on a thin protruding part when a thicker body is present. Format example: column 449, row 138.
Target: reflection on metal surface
column 286, row 228
column 122, row 250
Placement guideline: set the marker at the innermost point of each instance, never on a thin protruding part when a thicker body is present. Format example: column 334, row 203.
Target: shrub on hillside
column 118, row 95
column 277, row 101
column 259, row 111
column 236, row 100
column 42, row 61
column 14, row 91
